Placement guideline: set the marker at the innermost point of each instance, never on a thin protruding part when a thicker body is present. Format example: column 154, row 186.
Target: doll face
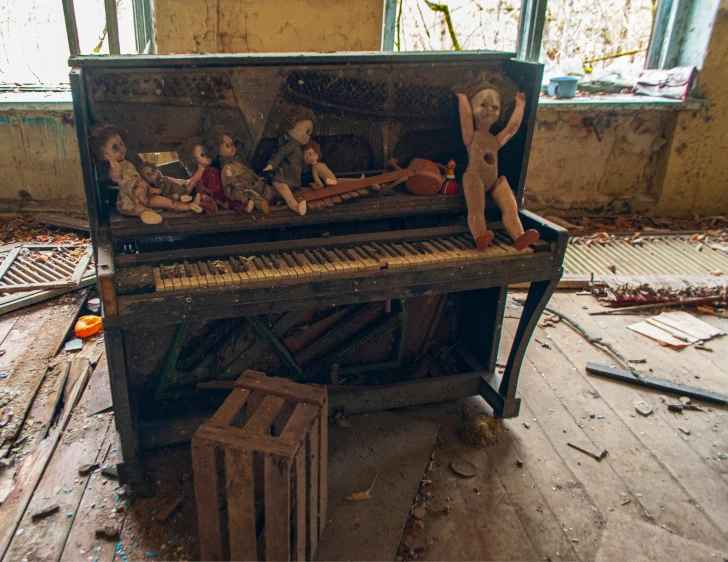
column 150, row 174
column 201, row 156
column 301, row 131
column 310, row 157
column 227, row 147
column 114, row 149
column 486, row 106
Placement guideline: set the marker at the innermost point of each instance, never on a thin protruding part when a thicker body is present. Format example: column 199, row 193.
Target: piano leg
column 507, row 405
column 127, row 443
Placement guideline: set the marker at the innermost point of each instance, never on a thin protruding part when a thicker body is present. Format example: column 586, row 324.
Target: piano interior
column 381, row 295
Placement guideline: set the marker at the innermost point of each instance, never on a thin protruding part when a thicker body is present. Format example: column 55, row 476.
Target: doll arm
column 178, row 181
column 282, row 153
column 514, row 123
column 192, row 182
column 466, row 119
column 155, row 190
column 114, row 170
column 316, row 178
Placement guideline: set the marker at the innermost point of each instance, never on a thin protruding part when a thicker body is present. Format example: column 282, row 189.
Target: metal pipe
column 69, row 15
column 112, row 27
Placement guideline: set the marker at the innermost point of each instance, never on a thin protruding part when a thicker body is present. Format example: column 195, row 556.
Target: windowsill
column 62, row 101
column 621, row 102
column 36, row 101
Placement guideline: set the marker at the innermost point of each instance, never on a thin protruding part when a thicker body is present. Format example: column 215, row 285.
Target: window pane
column 579, row 31
column 478, row 25
column 33, row 42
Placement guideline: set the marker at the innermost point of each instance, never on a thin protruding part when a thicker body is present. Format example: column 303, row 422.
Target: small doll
column 205, row 177
column 287, row 162
column 450, row 186
column 174, row 188
column 480, row 105
column 242, row 186
column 135, row 194
column 321, row 173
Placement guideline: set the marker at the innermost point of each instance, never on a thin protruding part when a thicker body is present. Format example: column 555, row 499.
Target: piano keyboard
column 320, row 262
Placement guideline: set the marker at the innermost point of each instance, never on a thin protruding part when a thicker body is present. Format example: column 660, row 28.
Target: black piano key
column 234, row 264
column 328, row 255
column 465, row 242
column 383, row 250
column 289, row 260
column 246, row 265
column 267, row 262
column 320, row 257
column 310, row 257
column 297, row 259
column 274, row 261
column 372, row 253
column 362, row 253
column 411, row 248
column 455, row 242
column 421, row 247
column 351, row 254
column 339, row 254
column 448, row 245
column 438, row 245
column 258, row 263
column 396, row 250
column 163, row 272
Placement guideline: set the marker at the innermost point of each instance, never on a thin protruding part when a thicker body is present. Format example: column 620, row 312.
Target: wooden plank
column 323, row 464
column 299, row 516
column 277, row 494
column 264, row 416
column 279, row 386
column 230, row 408
column 28, row 376
column 240, row 488
column 17, row 301
column 227, row 438
column 209, row 524
column 48, row 537
column 312, row 465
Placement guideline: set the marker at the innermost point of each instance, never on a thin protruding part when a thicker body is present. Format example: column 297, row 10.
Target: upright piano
column 382, row 297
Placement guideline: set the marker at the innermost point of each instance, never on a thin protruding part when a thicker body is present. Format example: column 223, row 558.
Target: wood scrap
column 597, row 456
column 636, row 308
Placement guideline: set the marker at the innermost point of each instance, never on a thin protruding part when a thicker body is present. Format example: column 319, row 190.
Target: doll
column 480, row 105
column 205, row 178
column 174, row 188
column 321, row 173
column 135, row 195
column 287, row 163
column 241, row 185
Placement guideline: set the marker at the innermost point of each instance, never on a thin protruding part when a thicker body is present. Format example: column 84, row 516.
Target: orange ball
column 87, row 326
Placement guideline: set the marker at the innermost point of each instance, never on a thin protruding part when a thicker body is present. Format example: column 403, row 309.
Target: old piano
column 383, row 298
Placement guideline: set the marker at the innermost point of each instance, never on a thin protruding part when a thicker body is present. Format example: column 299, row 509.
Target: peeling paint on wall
column 40, row 156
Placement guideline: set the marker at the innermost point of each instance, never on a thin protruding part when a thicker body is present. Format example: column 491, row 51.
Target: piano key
column 445, row 251
column 377, row 255
column 404, row 256
column 308, row 266
column 422, row 259
column 354, row 195
column 267, row 275
column 209, row 275
column 370, row 263
column 238, row 269
column 158, row 281
column 173, row 274
column 201, row 279
column 344, row 261
column 317, row 268
column 230, row 272
column 345, row 196
column 351, row 254
column 273, row 270
column 280, row 265
column 183, row 276
column 329, row 202
column 427, row 251
column 255, row 275
column 336, row 199
column 224, row 271
column 290, row 264
column 332, row 261
column 453, row 248
column 437, row 252
column 194, row 282
column 297, row 264
column 301, row 264
column 330, row 270
column 215, row 270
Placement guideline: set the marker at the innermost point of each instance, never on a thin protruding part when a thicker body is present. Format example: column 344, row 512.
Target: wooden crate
column 260, row 469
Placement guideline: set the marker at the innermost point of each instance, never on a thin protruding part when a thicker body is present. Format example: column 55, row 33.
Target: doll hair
column 316, row 148
column 142, row 165
column 292, row 114
column 186, row 153
column 213, row 139
column 100, row 136
column 502, row 84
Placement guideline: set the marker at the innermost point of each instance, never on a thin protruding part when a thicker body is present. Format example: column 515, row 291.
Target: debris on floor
column 676, row 330
column 643, row 408
column 479, row 429
column 366, row 494
column 464, row 468
column 597, row 456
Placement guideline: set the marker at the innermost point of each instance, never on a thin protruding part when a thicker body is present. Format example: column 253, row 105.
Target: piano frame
column 481, row 287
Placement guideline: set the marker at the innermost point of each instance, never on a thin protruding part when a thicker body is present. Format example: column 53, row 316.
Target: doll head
column 491, row 98
column 148, row 172
column 220, row 144
column 311, row 153
column 108, row 143
column 193, row 153
column 297, row 122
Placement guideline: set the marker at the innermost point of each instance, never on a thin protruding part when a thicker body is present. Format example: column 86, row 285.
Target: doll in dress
column 287, row 163
column 481, row 106
column 174, row 188
column 135, row 195
column 321, row 173
column 241, row 185
column 205, row 178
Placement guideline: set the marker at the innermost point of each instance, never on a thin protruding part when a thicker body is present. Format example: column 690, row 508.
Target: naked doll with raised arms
column 480, row 105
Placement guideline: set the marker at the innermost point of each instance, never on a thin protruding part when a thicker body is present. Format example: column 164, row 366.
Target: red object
column 526, row 239
column 484, row 240
column 212, row 181
column 427, row 179
column 450, row 187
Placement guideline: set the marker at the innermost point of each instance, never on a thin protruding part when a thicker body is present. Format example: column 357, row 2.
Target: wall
column 258, row 26
column 696, row 178
column 659, row 161
column 39, row 154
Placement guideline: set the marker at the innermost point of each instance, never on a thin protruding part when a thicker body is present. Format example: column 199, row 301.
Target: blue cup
column 563, row 86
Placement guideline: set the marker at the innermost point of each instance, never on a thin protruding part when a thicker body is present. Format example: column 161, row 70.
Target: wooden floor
column 659, row 494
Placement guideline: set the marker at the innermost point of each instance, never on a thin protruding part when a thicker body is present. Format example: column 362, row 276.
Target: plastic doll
column 205, row 177
column 240, row 183
column 321, row 173
column 287, row 163
column 174, row 188
column 480, row 105
column 135, row 195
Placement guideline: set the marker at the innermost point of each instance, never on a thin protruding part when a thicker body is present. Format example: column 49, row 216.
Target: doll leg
column 159, row 202
column 506, row 201
column 475, row 199
column 285, row 192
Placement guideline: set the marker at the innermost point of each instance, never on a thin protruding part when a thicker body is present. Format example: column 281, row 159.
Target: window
column 604, row 41
column 33, row 43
